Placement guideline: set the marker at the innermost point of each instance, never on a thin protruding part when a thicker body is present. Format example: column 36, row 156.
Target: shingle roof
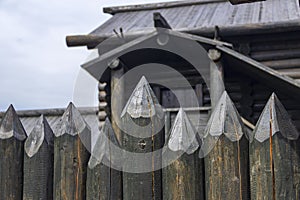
column 202, row 15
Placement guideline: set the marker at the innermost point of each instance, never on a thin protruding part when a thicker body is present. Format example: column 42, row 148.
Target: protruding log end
column 84, row 40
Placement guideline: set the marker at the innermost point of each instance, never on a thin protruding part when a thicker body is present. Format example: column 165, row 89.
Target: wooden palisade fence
column 222, row 162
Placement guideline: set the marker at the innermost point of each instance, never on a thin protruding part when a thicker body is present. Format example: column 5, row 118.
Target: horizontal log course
column 283, row 64
column 293, row 73
column 276, row 44
column 276, row 55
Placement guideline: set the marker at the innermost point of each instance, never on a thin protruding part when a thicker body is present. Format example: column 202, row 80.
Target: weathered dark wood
column 145, row 184
column 81, row 40
column 226, row 170
column 38, row 164
column 138, row 186
column 274, row 155
column 226, row 165
column 71, row 156
column 282, row 83
column 283, row 64
column 183, row 178
column 225, row 148
column 104, row 182
column 101, row 183
column 286, row 159
column 11, row 169
column 70, row 168
column 116, row 103
column 276, row 54
column 12, row 137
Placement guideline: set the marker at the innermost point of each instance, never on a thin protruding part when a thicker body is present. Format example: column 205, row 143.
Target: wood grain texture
column 147, row 185
column 11, row 169
column 38, row 174
column 70, row 168
column 286, row 161
column 104, row 183
column 226, row 170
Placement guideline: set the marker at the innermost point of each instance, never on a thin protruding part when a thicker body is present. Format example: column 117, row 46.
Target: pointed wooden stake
column 38, row 162
column 180, row 177
column 142, row 117
column 12, row 137
column 274, row 155
column 103, row 179
column 183, row 134
column 71, row 155
column 225, row 152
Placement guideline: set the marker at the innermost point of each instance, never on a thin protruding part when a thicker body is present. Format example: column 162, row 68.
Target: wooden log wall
column 279, row 51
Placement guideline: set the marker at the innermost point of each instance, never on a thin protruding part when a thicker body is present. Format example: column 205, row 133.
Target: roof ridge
column 152, row 6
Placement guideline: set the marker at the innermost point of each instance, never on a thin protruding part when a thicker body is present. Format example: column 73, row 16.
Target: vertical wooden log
column 216, row 77
column 117, row 84
column 183, row 178
column 12, row 137
column 226, row 170
column 180, row 177
column 102, row 184
column 38, row 162
column 117, row 101
column 226, row 165
column 71, row 156
column 275, row 155
column 142, row 185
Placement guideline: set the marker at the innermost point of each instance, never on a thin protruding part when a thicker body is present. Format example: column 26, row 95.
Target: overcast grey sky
column 37, row 70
